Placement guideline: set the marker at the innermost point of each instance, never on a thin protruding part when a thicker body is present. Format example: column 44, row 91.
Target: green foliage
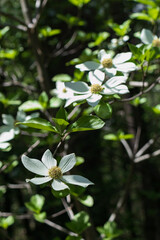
column 103, row 110
column 39, row 123
column 79, row 3
column 79, row 223
column 62, row 77
column 86, row 123
column 36, row 203
column 109, row 230
column 5, row 222
column 121, row 30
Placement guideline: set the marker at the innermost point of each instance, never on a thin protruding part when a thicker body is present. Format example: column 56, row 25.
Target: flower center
column 156, row 42
column 55, row 172
column 107, row 63
column 64, row 90
column 96, row 88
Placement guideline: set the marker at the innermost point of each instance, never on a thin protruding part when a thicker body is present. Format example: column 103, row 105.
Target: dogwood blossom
column 108, row 64
column 93, row 93
column 51, row 172
column 147, row 37
column 62, row 91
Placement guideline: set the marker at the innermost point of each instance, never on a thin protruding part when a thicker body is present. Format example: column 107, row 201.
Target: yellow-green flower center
column 107, row 63
column 55, row 172
column 64, row 90
column 96, row 88
column 156, row 42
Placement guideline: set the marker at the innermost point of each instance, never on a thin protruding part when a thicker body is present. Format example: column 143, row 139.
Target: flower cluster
column 51, row 172
column 102, row 77
column 147, row 37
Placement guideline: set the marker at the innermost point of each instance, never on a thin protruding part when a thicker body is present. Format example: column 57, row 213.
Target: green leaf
column 137, row 53
column 86, row 200
column 147, row 2
column 43, row 99
column 30, row 105
column 141, row 16
column 62, row 78
column 79, row 223
column 79, row 3
column 111, row 137
column 3, row 31
column 103, row 110
column 60, row 194
column 61, row 124
column 48, row 32
column 36, row 203
column 86, row 123
column 55, row 102
column 102, row 36
column 156, row 109
column 62, row 114
column 110, row 230
column 39, row 123
column 5, row 222
column 79, row 160
column 73, row 238
column 40, row 217
column 121, row 30
column 8, row 53
column 154, row 13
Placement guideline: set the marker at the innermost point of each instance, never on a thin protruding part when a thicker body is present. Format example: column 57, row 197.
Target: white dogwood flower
column 62, row 91
column 93, row 93
column 108, row 64
column 51, row 172
column 147, row 37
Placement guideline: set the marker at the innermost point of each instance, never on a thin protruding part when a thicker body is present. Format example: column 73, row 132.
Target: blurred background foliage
column 67, row 33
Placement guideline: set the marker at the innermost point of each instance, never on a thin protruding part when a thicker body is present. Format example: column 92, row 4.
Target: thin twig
column 30, row 149
column 144, row 148
column 137, row 139
column 58, row 227
column 127, row 148
column 147, row 156
column 68, row 209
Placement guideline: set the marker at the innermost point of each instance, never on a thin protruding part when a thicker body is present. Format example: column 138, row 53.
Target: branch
column 147, row 156
column 127, row 148
column 144, row 148
column 40, row 7
column 58, row 227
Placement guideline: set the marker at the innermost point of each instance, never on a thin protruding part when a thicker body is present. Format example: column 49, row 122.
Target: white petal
column 77, row 99
column 121, row 89
column 34, row 165
column 126, row 67
column 77, row 180
column 146, row 36
column 57, row 185
column 94, row 99
column 96, row 77
column 39, row 180
column 110, row 71
column 78, row 87
column 88, row 66
column 67, row 162
column 48, row 159
column 114, row 81
column 103, row 55
column 122, row 57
